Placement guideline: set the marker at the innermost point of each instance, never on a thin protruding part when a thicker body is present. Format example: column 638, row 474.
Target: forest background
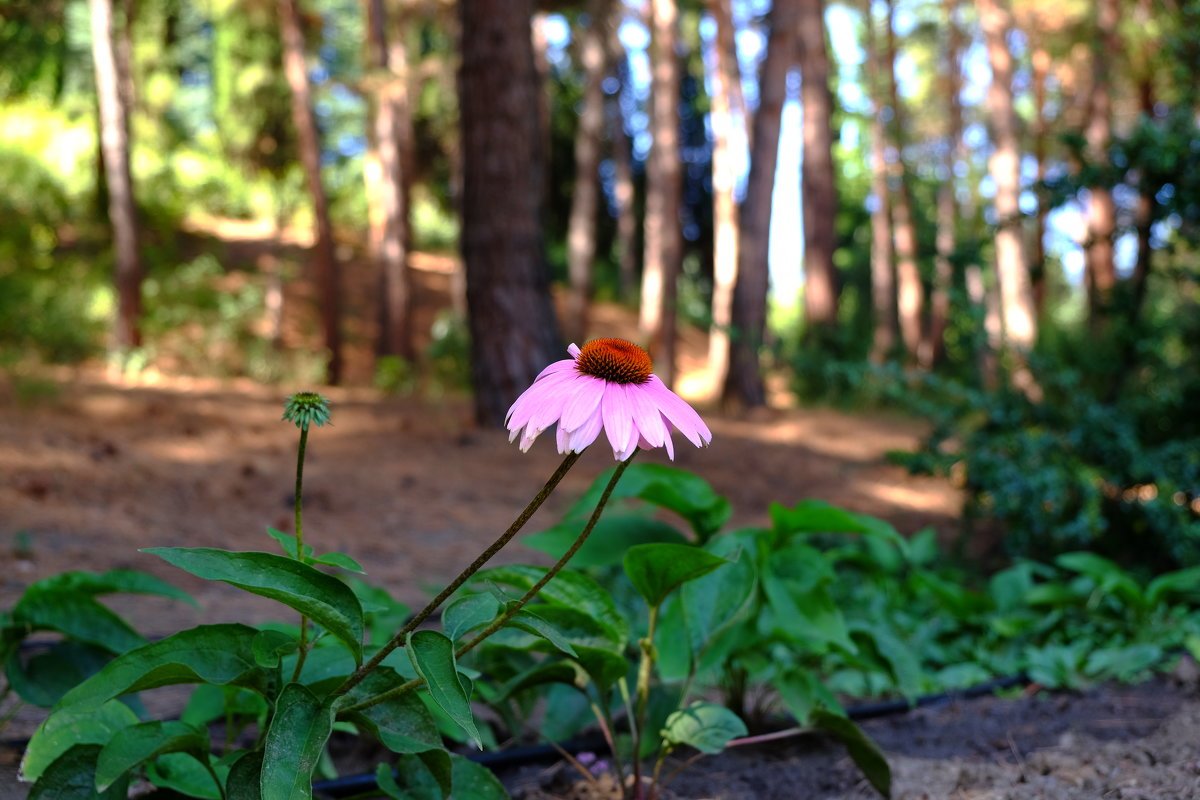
column 984, row 213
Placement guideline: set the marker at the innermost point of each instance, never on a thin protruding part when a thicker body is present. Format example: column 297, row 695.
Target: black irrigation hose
column 350, row 785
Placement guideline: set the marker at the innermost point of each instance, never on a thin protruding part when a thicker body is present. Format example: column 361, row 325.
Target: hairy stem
column 298, row 506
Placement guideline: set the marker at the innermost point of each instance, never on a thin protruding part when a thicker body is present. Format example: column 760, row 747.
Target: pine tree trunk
column 114, row 147
column 947, row 206
column 581, row 226
column 623, row 184
column 883, row 268
column 664, row 190
column 308, row 140
column 725, row 115
column 819, row 191
column 1099, row 262
column 910, row 299
column 744, row 383
column 389, row 196
column 1040, row 61
column 513, row 331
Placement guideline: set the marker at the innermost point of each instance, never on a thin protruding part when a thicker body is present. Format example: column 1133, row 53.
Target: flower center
column 614, row 360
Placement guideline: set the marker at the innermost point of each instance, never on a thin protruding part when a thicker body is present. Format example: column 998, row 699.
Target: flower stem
column 645, row 668
column 401, row 635
column 302, row 650
column 516, row 606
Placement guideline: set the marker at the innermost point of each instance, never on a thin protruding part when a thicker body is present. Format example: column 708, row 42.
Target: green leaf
column 115, row 581
column 863, row 752
column 474, row 781
column 656, row 570
column 288, row 542
column 64, row 729
column 411, row 779
column 705, row 726
column 815, row 516
column 320, row 597
column 674, row 489
column 432, row 654
column 72, row 777
column 183, row 774
column 271, row 646
column 341, row 561
column 1109, row 578
column 803, row 692
column 568, row 589
column 468, row 613
column 530, row 622
column 45, row 677
column 1183, row 583
column 541, row 674
column 611, row 537
column 298, row 733
column 245, row 776
column 131, row 747
column 77, row 616
column 384, row 615
column 402, row 722
column 714, row 601
column 219, row 654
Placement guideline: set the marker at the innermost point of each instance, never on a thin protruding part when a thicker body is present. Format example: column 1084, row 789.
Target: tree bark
column 911, row 294
column 947, row 206
column 819, row 192
column 664, row 189
column 1040, row 61
column 726, row 122
column 883, row 268
column 581, row 226
column 389, row 196
column 308, row 140
column 744, row 383
column 1099, row 261
column 1004, row 165
column 623, row 184
column 114, row 147
column 513, row 331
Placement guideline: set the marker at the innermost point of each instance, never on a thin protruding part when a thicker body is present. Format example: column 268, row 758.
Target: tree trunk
column 947, row 205
column 308, row 141
column 911, row 294
column 114, row 147
column 727, row 106
column 744, row 383
column 1099, row 262
column 581, row 227
column 1041, row 69
column 623, row 184
column 664, row 190
column 389, row 196
column 513, row 330
column 1004, row 165
column 819, row 191
column 883, row 268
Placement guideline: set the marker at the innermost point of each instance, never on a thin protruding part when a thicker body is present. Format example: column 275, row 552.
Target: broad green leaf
column 603, row 666
column 803, row 692
column 297, row 736
column 131, row 747
column 288, row 542
column 77, row 616
column 1123, row 663
column 815, row 516
column 341, row 561
column 606, row 546
column 384, row 615
column 530, row 622
column 183, row 774
column 714, row 601
column 1010, row 587
column 402, row 723
column 863, row 752
column 320, row 597
column 411, row 779
column 115, row 581
column 432, row 654
column 468, row 613
column 568, row 589
column 72, row 777
column 656, row 570
column 705, row 726
column 672, row 488
column 1109, row 577
column 271, row 646
column 219, row 654
column 542, row 674
column 245, row 776
column 44, row 678
column 1183, row 583
column 571, row 628
column 474, row 781
column 59, row 732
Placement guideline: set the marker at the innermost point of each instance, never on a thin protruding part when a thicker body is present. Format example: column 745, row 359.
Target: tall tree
column 513, row 330
column 622, row 156
column 883, row 267
column 819, row 191
column 726, row 115
column 910, row 298
column 664, row 192
column 388, row 180
column 744, row 382
column 581, row 226
column 309, row 143
column 1040, row 61
column 1004, row 165
column 947, row 206
column 112, row 92
column 1099, row 247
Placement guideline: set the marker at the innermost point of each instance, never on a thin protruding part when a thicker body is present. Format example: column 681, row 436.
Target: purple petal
column 678, row 412
column 618, row 415
column 583, row 403
column 587, row 432
column 573, row 349
column 630, row 446
column 646, row 416
column 562, row 438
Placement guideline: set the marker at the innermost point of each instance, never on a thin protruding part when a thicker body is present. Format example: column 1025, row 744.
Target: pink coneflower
column 607, row 385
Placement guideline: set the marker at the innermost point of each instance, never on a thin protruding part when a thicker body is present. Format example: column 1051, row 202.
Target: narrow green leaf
column 288, row 542
column 64, row 729
column 341, row 561
column 297, row 736
column 131, row 747
column 863, row 752
column 656, row 570
column 219, row 654
column 320, row 597
column 530, row 622
column 432, row 655
column 542, row 674
column 468, row 613
column 72, row 777
column 705, row 726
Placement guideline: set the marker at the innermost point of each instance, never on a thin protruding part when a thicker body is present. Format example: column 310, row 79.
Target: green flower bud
column 307, row 408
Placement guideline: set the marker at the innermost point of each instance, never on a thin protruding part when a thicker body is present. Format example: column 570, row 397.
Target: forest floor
column 92, row 469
